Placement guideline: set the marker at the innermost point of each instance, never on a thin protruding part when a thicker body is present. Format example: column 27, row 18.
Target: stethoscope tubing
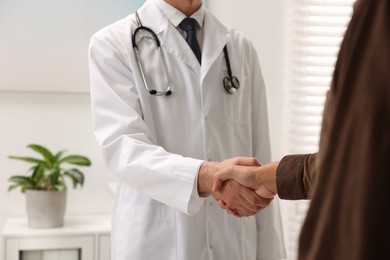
column 140, row 27
column 230, row 82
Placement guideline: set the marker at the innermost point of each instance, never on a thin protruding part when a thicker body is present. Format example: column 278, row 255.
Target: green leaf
column 38, row 173
column 22, row 181
column 76, row 159
column 26, row 159
column 60, row 187
column 58, row 156
column 47, row 155
column 12, row 187
column 46, row 173
column 76, row 176
column 54, row 175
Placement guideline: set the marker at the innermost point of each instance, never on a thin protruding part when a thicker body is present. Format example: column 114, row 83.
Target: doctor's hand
column 262, row 179
column 241, row 200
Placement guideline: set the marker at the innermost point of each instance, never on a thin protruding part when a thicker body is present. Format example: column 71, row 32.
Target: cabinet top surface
column 73, row 225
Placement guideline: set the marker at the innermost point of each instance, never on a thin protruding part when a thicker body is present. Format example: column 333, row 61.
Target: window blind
column 315, row 29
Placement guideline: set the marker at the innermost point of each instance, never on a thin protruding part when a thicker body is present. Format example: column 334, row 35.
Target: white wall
column 37, row 34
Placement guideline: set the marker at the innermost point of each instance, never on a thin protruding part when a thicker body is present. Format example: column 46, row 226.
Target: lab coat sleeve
column 128, row 145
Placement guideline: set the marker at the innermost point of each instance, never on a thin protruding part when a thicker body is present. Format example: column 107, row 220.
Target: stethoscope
column 230, row 82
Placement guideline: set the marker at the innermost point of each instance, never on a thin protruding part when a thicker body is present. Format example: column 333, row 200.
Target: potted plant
column 45, row 186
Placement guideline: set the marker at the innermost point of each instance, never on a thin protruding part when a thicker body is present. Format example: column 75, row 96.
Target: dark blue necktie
column 188, row 25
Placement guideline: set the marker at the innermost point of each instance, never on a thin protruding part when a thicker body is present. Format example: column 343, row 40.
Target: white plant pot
column 45, row 209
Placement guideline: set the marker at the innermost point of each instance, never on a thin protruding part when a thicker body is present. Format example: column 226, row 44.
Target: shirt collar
column 175, row 16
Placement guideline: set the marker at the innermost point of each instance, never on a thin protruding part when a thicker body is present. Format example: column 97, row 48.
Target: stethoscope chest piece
column 231, row 84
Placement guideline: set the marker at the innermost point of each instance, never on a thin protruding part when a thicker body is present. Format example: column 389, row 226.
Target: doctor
column 166, row 122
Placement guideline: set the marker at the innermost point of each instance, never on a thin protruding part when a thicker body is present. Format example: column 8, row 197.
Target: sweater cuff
column 289, row 177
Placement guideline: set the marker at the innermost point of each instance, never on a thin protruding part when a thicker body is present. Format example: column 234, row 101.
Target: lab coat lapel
column 214, row 39
column 152, row 18
column 171, row 39
column 174, row 43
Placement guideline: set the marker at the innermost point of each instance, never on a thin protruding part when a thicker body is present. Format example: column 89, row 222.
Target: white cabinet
column 81, row 238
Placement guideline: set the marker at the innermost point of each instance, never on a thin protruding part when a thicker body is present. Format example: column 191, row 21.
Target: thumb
column 221, row 176
column 218, row 182
column 247, row 161
column 265, row 193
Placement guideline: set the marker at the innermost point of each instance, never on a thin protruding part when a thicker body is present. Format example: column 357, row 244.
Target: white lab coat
column 155, row 145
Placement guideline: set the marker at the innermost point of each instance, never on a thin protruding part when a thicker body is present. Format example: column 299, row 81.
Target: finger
column 217, row 184
column 253, row 201
column 232, row 171
column 244, row 212
column 242, row 206
column 227, row 173
column 216, row 196
column 233, row 212
column 229, row 210
column 246, row 161
column 239, row 205
column 222, row 204
column 253, row 205
column 265, row 193
column 231, row 194
column 242, row 174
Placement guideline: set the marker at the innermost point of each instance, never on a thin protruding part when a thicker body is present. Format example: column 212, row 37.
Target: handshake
column 242, row 185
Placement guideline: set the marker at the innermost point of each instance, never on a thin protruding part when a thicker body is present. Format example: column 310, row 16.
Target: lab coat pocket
column 237, row 106
column 145, row 232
